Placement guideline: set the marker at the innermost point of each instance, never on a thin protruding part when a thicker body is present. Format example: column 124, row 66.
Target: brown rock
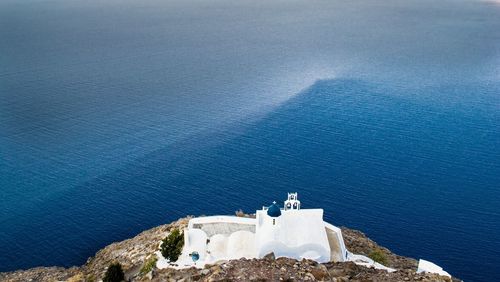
column 319, row 274
column 270, row 256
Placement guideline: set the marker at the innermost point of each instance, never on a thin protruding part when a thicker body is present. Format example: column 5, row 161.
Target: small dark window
column 274, row 221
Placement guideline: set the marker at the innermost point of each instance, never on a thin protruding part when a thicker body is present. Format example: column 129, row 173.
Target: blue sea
column 117, row 116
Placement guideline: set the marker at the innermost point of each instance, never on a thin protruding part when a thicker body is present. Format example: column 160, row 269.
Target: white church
column 286, row 231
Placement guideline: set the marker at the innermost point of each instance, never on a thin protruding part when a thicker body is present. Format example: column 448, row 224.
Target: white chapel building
column 287, row 231
column 292, row 232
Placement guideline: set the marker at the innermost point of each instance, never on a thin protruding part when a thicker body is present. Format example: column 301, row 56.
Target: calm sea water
column 118, row 116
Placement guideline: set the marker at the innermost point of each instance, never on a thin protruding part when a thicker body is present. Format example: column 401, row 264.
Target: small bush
column 378, row 256
column 114, row 273
column 149, row 264
column 171, row 247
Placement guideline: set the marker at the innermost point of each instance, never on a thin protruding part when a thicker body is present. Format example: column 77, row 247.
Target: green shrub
column 378, row 256
column 114, row 273
column 171, row 247
column 149, row 264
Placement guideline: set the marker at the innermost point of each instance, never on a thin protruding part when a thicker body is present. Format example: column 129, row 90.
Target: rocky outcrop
column 44, row 274
column 357, row 242
column 133, row 254
column 285, row 269
column 130, row 253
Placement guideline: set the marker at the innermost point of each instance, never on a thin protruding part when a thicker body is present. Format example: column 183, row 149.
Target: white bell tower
column 292, row 203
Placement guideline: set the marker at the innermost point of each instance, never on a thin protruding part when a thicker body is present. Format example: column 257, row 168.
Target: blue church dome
column 273, row 210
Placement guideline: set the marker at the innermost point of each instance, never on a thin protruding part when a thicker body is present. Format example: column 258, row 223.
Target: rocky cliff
column 134, row 253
